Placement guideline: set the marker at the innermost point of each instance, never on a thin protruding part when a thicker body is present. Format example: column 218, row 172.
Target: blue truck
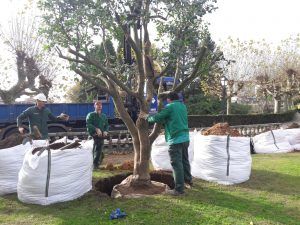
column 76, row 111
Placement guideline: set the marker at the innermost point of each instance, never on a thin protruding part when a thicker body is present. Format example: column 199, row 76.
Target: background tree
column 75, row 25
column 31, row 59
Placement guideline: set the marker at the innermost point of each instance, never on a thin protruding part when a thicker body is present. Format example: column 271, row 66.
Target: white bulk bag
column 217, row 161
column 274, row 141
column 293, row 136
column 68, row 176
column 160, row 156
column 11, row 160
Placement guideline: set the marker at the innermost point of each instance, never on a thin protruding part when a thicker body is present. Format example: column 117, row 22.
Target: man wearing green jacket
column 38, row 116
column 175, row 121
column 97, row 127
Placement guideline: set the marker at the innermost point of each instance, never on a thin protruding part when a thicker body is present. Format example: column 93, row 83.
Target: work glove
column 21, row 130
column 64, row 117
column 98, row 132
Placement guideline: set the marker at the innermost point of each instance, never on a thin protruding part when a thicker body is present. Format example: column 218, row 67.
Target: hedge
column 209, row 120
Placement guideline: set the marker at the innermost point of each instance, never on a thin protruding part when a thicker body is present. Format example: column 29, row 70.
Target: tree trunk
column 276, row 105
column 141, row 171
column 285, row 103
column 228, row 105
column 289, row 102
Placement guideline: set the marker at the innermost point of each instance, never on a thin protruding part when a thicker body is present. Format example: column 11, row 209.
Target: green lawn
column 271, row 196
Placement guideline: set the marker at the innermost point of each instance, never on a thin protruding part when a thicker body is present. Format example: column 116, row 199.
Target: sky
column 272, row 20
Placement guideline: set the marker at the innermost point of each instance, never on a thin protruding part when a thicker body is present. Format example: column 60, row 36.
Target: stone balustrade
column 121, row 141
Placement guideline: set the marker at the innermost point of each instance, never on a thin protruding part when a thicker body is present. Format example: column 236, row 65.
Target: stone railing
column 120, row 140
column 253, row 129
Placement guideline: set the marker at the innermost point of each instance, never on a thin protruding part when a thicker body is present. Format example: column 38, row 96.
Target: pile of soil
column 110, row 167
column 127, row 165
column 11, row 141
column 293, row 125
column 136, row 191
column 116, row 159
column 127, row 189
column 221, row 129
column 105, row 185
column 57, row 146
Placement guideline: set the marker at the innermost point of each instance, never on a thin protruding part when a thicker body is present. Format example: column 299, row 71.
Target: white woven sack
column 213, row 161
column 11, row 160
column 293, row 136
column 160, row 156
column 70, row 176
column 274, row 141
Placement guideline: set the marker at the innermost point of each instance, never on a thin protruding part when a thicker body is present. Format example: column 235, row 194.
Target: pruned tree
column 31, row 60
column 277, row 72
column 74, row 27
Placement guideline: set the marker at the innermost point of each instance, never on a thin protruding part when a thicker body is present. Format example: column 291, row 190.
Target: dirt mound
column 11, row 141
column 105, row 185
column 57, row 146
column 127, row 165
column 293, row 125
column 221, row 129
column 110, row 167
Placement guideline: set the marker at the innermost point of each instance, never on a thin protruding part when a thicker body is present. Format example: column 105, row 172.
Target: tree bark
column 276, row 105
column 228, row 105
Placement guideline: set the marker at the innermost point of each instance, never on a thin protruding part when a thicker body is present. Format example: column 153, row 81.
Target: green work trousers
column 97, row 151
column 180, row 163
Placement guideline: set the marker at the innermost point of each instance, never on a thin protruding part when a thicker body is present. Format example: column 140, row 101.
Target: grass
column 271, row 196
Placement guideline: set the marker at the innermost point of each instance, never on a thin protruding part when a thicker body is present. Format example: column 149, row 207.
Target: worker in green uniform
column 38, row 116
column 97, row 127
column 175, row 121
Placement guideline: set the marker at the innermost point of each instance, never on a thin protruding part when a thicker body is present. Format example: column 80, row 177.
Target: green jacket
column 37, row 117
column 174, row 119
column 94, row 120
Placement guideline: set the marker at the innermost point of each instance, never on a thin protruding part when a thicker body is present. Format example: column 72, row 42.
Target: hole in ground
column 105, row 185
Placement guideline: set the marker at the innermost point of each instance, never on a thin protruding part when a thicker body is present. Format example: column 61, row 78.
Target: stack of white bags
column 11, row 160
column 159, row 154
column 210, row 157
column 276, row 141
column 221, row 159
column 44, row 179
column 62, row 175
column 293, row 136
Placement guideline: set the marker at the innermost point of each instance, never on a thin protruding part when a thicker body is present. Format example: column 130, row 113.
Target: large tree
column 74, row 26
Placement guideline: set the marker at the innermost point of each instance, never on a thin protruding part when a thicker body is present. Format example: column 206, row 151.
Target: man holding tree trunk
column 175, row 121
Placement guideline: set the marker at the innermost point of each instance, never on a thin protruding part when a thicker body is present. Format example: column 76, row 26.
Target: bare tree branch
column 89, row 77
column 105, row 71
column 60, row 54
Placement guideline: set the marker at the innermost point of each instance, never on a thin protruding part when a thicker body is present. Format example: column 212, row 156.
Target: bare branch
column 158, row 17
column 105, row 71
column 89, row 77
column 60, row 54
column 177, row 72
column 194, row 73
